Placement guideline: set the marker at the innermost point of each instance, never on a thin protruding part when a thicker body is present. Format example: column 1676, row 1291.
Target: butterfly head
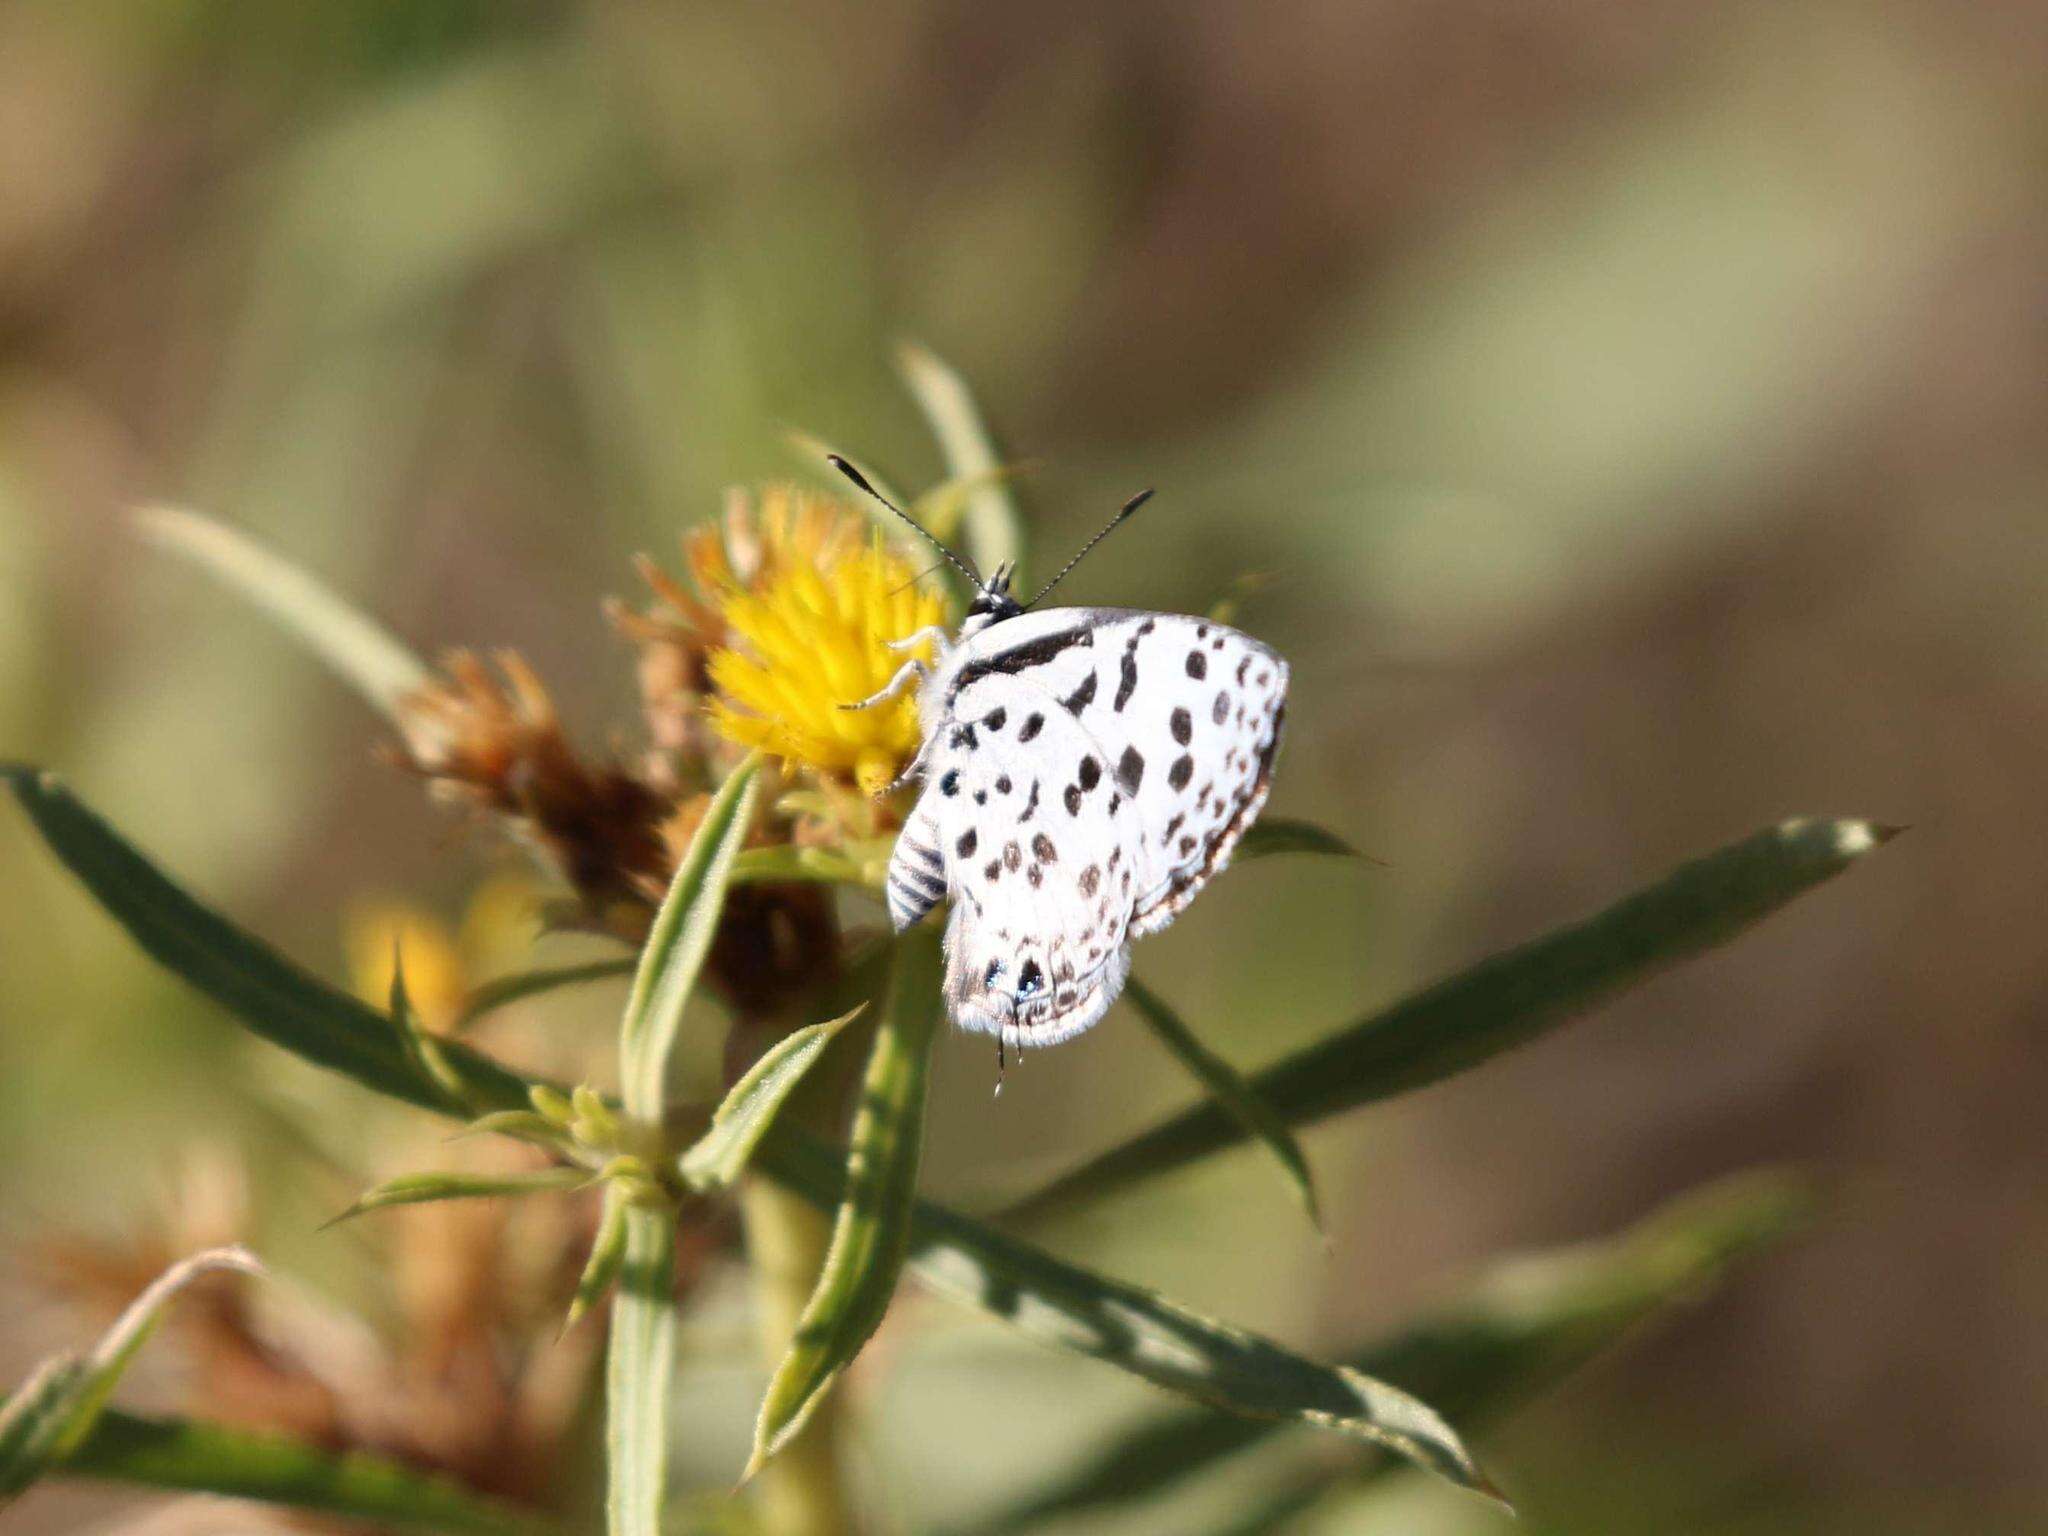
column 992, row 603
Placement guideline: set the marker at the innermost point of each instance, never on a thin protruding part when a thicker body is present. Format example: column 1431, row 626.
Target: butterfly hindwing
column 1041, row 879
column 1201, row 726
column 1087, row 771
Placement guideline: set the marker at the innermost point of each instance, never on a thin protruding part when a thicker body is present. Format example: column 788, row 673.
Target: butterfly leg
column 910, row 672
column 936, row 633
column 912, row 768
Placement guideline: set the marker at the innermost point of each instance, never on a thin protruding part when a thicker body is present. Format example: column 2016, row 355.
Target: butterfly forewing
column 1203, row 715
column 1087, row 771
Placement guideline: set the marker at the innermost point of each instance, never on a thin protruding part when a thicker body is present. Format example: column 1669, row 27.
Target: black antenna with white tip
column 925, row 533
column 1108, row 528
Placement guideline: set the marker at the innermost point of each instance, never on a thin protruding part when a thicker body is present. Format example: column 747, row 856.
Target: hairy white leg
column 911, row 671
column 915, row 766
column 936, row 633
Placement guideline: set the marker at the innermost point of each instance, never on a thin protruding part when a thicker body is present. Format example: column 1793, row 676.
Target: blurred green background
column 1640, row 412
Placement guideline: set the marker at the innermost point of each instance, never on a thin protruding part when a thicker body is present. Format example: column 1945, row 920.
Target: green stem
column 801, row 1490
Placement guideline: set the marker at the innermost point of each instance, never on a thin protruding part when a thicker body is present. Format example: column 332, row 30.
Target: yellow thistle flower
column 807, row 632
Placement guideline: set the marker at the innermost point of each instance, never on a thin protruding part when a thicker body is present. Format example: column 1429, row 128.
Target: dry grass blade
column 995, row 532
column 365, row 655
column 51, row 1414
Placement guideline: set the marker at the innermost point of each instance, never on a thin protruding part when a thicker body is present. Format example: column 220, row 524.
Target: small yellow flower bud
column 551, row 1104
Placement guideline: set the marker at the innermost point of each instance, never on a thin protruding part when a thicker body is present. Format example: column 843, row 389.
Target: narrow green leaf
column 1506, row 1000
column 677, row 943
column 1135, row 1329
column 503, row 990
column 381, row 668
column 743, row 1117
column 196, row 1457
column 54, row 1410
column 640, row 1364
column 270, row 995
column 995, row 532
column 33, row 1419
column 607, row 1255
column 425, row 1188
column 872, row 1225
column 520, row 1125
column 1280, row 834
column 856, row 863
column 1230, row 1091
column 1528, row 1323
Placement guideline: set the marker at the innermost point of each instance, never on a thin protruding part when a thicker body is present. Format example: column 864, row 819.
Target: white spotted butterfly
column 1086, row 771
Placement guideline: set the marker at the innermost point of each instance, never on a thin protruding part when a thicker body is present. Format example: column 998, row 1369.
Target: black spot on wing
column 1127, row 683
column 1130, row 770
column 1033, row 724
column 1182, row 770
column 1082, row 696
column 1183, row 726
column 1198, row 665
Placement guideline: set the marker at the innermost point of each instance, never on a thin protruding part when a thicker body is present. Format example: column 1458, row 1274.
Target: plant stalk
column 801, row 1491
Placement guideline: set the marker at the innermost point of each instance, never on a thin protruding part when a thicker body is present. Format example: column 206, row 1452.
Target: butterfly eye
column 994, row 971
column 1030, row 979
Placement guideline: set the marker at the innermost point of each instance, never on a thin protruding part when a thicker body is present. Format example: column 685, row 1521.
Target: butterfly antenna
column 920, row 576
column 924, row 533
column 1110, row 527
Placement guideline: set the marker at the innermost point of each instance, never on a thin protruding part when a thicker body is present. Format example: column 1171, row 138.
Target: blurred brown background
column 1639, row 411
